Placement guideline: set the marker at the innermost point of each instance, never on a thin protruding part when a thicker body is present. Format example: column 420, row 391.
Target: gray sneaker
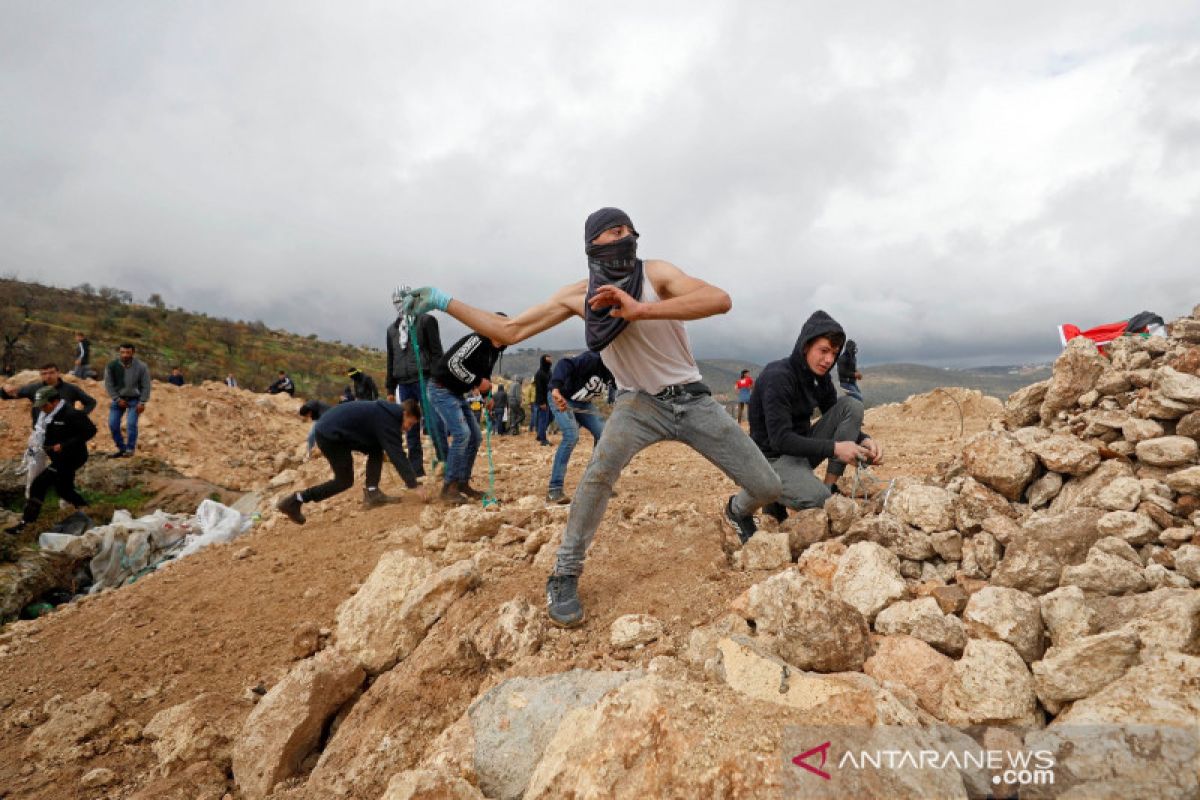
column 290, row 506
column 557, row 497
column 373, row 498
column 562, row 601
column 744, row 527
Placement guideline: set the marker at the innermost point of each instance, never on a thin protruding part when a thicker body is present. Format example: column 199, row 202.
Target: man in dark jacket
column 127, row 381
column 785, row 396
column 50, row 377
column 313, row 409
column 62, row 434
column 282, row 385
column 362, row 384
column 465, row 366
column 848, row 374
column 516, row 411
column 541, row 399
column 371, row 427
column 404, row 380
column 83, row 355
column 499, row 409
column 574, row 384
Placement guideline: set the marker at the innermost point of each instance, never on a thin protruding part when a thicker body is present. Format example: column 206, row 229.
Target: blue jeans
column 458, row 421
column 115, row 412
column 578, row 414
column 416, row 456
column 541, row 420
column 853, row 390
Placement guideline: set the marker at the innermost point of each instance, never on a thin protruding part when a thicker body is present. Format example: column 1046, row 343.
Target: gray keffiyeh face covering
column 612, row 264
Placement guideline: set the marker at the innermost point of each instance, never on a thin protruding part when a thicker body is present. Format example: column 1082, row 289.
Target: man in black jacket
column 541, row 399
column 50, row 377
column 785, row 396
column 574, row 384
column 404, row 380
column 466, row 365
column 61, row 434
column 363, row 385
column 848, row 374
column 371, row 427
column 282, row 385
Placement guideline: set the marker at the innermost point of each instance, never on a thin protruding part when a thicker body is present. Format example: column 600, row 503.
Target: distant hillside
column 37, row 325
column 893, row 383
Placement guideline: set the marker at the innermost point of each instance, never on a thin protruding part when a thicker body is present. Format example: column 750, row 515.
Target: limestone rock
column 1082, row 492
column 1129, row 526
column 929, row 508
column 1179, row 386
column 868, row 578
column 96, row 778
column 1123, row 494
column 1155, row 406
column 980, row 555
column 923, row 619
column 1044, row 489
column 913, row 663
column 202, row 729
column 1105, row 573
column 390, row 613
column 808, row 627
column 1136, row 429
column 1085, row 666
column 990, row 684
column 516, row 630
column 470, row 523
column 948, row 544
column 69, row 724
column 1077, row 370
column 631, row 630
column 1007, row 615
column 424, row 784
column 820, row 561
column 1159, row 577
column 286, row 724
column 1168, row 451
column 1033, row 562
column 1185, row 481
column 999, row 461
column 1189, row 425
column 842, row 512
column 1023, row 406
column 805, row 527
column 766, row 551
column 200, row 781
column 1187, row 562
column 1066, row 454
column 515, row 721
column 702, row 641
column 891, row 533
column 976, row 503
column 1165, row 619
column 1067, row 615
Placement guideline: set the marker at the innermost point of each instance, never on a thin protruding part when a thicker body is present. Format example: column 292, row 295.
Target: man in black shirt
column 848, row 374
column 371, row 427
column 60, row 435
column 541, row 399
column 282, row 385
column 364, row 387
column 404, row 376
column 83, row 354
column 465, row 366
column 50, row 377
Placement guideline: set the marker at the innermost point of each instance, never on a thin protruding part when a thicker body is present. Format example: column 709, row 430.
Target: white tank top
column 651, row 354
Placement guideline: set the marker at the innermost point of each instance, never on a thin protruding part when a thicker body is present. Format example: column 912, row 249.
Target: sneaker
column 557, row 497
column 744, row 527
column 452, row 496
column 776, row 510
column 118, row 454
column 373, row 498
column 15, row 530
column 471, row 492
column 562, row 601
column 545, row 443
column 290, row 506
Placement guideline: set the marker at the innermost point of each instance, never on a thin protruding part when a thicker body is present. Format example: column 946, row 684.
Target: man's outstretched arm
column 566, row 302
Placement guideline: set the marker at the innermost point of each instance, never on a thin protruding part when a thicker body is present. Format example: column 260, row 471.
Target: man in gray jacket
column 127, row 381
column 403, row 380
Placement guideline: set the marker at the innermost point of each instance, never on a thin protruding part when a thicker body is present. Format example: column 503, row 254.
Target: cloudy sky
column 950, row 180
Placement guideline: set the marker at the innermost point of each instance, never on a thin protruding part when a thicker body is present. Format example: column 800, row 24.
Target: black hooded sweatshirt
column 465, row 365
column 541, row 382
column 847, row 363
column 787, row 393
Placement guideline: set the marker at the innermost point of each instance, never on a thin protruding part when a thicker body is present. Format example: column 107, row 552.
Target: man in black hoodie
column 61, row 434
column 847, row 367
column 364, row 385
column 364, row 426
column 404, row 378
column 541, row 399
column 785, row 396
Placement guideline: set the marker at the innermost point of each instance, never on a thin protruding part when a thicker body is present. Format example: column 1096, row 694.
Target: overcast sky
column 949, row 180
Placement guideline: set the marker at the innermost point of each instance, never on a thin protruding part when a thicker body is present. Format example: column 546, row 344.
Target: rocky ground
column 1033, row 571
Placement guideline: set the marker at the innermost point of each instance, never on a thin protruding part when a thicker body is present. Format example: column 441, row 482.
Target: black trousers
column 341, row 460
column 62, row 478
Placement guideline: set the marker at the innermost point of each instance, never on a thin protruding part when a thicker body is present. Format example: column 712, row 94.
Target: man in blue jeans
column 127, row 381
column 574, row 383
column 465, row 366
column 404, row 377
column 541, row 400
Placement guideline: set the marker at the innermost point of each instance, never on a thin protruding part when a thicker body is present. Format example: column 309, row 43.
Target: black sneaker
column 290, row 506
column 373, row 498
column 556, row 497
column 118, row 454
column 744, row 527
column 776, row 510
column 471, row 492
column 15, row 530
column 451, row 495
column 562, row 601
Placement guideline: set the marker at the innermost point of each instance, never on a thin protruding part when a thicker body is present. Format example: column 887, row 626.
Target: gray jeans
column 801, row 487
column 639, row 420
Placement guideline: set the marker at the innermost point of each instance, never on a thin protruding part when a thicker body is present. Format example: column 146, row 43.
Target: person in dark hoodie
column 60, row 435
column 363, row 384
column 541, row 399
column 499, row 409
column 516, row 411
column 404, row 373
column 313, row 409
column 374, row 427
column 785, row 396
column 634, row 313
column 465, row 366
column 574, row 383
column 848, row 374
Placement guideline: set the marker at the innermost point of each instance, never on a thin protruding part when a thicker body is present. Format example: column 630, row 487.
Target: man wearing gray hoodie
column 127, row 381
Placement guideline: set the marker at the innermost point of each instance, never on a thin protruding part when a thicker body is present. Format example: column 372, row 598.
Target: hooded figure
column 364, row 385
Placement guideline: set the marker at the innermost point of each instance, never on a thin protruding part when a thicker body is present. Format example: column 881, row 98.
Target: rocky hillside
column 1020, row 579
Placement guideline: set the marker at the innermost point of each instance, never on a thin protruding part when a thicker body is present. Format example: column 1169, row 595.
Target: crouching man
column 781, row 407
column 364, row 426
column 57, row 449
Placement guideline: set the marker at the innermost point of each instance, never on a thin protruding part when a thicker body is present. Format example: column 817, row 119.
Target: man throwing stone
column 633, row 313
column 781, row 407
